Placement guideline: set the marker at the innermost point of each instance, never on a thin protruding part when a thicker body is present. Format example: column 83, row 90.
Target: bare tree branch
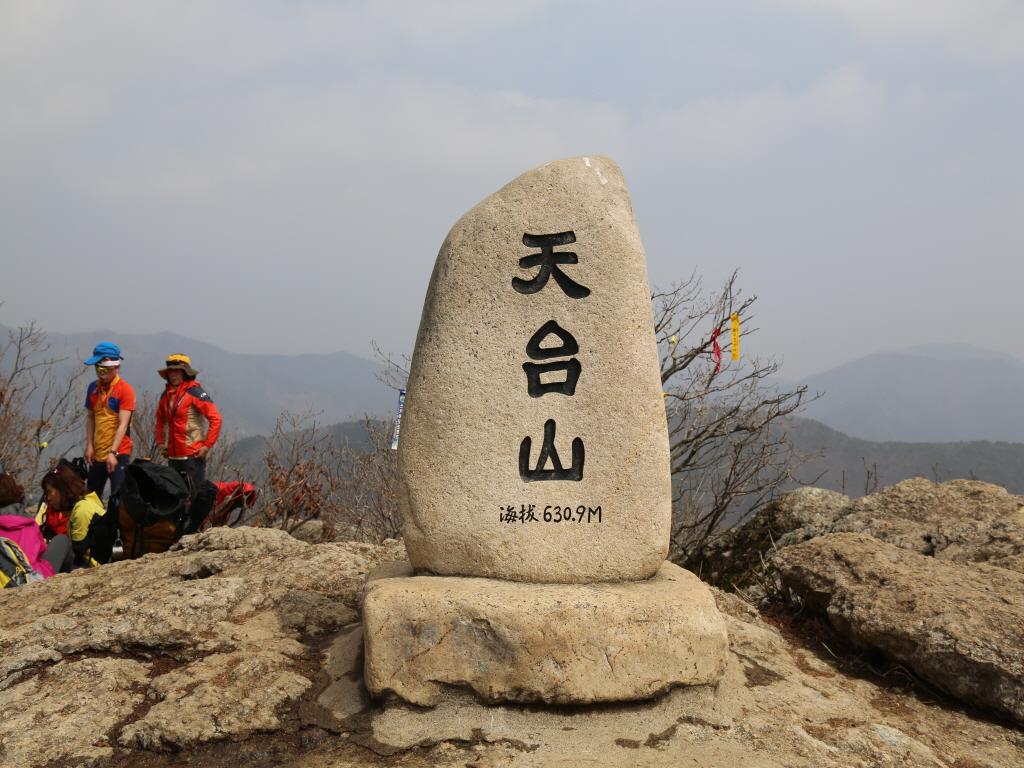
column 305, row 475
column 728, row 454
column 39, row 407
column 396, row 372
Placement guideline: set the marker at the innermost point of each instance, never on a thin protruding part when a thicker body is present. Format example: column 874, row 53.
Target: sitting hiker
column 180, row 413
column 66, row 494
column 52, row 522
column 12, row 497
column 21, row 528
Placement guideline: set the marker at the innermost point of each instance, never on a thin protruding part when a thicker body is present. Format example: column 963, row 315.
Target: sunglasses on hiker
column 103, row 369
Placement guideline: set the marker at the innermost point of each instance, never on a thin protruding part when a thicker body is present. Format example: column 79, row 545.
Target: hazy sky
column 278, row 176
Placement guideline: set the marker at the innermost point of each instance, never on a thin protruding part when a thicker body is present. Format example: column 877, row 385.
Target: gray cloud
column 277, row 177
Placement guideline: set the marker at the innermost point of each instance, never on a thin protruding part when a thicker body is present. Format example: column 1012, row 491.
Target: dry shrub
column 40, row 405
column 729, row 455
column 368, row 487
column 305, row 475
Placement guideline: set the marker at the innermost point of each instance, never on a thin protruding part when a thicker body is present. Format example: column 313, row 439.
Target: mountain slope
column 927, row 393
column 846, row 460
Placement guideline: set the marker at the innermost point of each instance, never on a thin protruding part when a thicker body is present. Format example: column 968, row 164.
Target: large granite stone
column 957, row 626
column 535, row 391
column 556, row 644
column 962, row 521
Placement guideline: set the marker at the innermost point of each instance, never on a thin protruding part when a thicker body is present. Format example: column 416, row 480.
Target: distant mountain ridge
column 924, row 393
column 846, row 460
column 251, row 391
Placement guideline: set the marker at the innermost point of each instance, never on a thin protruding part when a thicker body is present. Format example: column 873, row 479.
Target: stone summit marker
column 533, row 467
column 534, row 445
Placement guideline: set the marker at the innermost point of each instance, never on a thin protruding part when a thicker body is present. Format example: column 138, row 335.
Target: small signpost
column 398, row 418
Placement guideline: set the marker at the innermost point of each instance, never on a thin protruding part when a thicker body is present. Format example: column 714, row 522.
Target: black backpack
column 76, row 465
column 154, row 492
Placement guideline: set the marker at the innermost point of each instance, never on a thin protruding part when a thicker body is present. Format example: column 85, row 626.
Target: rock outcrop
column 962, row 521
column 927, row 573
column 194, row 645
column 738, row 557
column 959, row 627
column 250, row 639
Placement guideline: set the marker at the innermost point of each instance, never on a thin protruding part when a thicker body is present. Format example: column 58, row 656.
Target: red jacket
column 180, row 414
column 231, row 496
column 55, row 522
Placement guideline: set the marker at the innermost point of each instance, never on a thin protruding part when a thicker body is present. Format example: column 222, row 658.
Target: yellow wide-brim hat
column 182, row 363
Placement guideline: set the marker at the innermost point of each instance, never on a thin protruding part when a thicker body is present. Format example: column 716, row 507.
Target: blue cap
column 104, row 350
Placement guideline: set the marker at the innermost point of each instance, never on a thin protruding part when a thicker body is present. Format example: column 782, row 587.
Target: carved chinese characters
column 571, row 368
column 534, row 444
column 548, row 262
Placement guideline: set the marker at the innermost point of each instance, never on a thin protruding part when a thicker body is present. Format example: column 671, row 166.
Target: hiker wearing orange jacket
column 180, row 414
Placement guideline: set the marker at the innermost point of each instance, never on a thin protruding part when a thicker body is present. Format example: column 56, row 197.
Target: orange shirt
column 106, row 403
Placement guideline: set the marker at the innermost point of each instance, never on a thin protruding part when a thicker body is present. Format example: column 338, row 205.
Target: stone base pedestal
column 550, row 643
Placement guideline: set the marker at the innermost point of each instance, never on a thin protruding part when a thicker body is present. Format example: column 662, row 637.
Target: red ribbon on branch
column 717, row 354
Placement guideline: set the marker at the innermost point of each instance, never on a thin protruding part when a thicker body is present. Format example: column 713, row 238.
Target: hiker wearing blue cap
column 109, row 404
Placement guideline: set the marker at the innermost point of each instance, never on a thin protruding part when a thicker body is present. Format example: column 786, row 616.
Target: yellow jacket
column 79, row 520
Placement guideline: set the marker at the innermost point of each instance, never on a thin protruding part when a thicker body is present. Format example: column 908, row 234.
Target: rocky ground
column 961, row 521
column 900, row 645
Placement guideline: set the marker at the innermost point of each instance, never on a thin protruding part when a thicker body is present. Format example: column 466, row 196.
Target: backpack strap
column 15, row 564
column 8, row 560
